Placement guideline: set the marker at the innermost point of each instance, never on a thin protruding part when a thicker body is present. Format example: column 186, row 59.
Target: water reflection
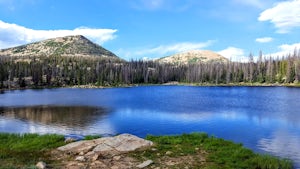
column 283, row 143
column 67, row 116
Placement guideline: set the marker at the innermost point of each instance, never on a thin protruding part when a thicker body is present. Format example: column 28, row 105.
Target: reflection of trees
column 69, row 116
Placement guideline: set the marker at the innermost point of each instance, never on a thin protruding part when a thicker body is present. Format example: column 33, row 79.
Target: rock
column 145, row 164
column 41, row 165
column 70, row 140
column 98, row 164
column 80, row 158
column 116, row 158
column 121, row 143
column 95, row 157
column 77, row 147
column 108, row 145
column 169, row 152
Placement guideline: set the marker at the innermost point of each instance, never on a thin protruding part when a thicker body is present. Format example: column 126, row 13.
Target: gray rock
column 80, row 158
column 169, row 152
column 77, row 147
column 116, row 158
column 69, row 140
column 145, row 164
column 41, row 165
column 112, row 145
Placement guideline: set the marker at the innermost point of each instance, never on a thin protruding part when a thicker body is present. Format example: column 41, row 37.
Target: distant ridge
column 77, row 45
column 193, row 56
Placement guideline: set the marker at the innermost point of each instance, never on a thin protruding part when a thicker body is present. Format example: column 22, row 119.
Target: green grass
column 25, row 150
column 91, row 137
column 219, row 152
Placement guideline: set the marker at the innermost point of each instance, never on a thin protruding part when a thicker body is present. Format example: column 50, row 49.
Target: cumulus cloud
column 284, row 15
column 163, row 50
column 233, row 53
column 286, row 49
column 174, row 48
column 14, row 35
column 264, row 39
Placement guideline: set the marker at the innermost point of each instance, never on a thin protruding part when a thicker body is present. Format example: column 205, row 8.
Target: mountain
column 193, row 56
column 77, row 45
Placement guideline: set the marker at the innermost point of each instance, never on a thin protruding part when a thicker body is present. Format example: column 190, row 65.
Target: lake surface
column 265, row 119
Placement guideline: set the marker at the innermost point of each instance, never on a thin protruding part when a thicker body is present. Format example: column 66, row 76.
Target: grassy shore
column 196, row 150
column 93, row 86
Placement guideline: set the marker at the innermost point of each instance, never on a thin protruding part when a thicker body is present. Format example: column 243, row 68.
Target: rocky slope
column 63, row 46
column 193, row 56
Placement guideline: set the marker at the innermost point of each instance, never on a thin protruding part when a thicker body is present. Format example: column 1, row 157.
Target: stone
column 154, row 149
column 70, row 140
column 145, row 164
column 77, row 147
column 169, row 152
column 41, row 165
column 112, row 145
column 95, row 157
column 80, row 158
column 116, row 158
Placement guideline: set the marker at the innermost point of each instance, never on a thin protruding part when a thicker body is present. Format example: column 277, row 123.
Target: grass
column 25, row 150
column 91, row 137
column 218, row 153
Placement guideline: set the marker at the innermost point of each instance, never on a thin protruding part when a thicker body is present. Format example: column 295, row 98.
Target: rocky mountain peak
column 193, row 56
column 77, row 45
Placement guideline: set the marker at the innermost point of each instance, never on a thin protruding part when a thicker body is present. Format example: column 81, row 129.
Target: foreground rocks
column 107, row 152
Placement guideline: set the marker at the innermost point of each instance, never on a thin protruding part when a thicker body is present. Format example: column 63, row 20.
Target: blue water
column 265, row 119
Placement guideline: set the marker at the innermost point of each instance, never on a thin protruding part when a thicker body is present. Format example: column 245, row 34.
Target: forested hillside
column 58, row 71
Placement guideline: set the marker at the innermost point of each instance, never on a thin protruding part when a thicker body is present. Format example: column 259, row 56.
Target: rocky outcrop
column 106, row 152
column 108, row 145
column 77, row 45
column 192, row 57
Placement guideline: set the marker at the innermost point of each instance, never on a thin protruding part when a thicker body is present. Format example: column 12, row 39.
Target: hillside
column 193, row 56
column 63, row 46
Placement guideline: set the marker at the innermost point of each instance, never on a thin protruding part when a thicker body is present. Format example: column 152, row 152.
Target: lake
column 264, row 119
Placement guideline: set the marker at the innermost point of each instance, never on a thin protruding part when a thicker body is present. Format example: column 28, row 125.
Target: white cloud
column 163, row 50
column 264, row 39
column 174, row 48
column 284, row 15
column 233, row 53
column 285, row 49
column 14, row 35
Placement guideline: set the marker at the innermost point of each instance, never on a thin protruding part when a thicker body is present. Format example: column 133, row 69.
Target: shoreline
column 91, row 86
column 194, row 150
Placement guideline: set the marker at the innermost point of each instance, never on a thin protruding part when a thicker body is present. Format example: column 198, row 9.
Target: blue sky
column 137, row 29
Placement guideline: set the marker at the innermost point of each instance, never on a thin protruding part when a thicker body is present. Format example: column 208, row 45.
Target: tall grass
column 24, row 150
column 220, row 153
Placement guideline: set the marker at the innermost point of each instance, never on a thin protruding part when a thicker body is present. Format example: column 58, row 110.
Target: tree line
column 57, row 71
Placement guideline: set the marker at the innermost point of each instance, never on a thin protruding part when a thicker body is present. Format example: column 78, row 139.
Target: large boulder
column 107, row 145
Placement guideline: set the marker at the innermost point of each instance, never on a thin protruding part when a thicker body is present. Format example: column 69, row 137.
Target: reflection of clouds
column 282, row 143
column 18, row 126
column 183, row 117
column 103, row 128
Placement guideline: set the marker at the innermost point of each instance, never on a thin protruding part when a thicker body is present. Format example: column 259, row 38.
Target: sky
column 148, row 29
